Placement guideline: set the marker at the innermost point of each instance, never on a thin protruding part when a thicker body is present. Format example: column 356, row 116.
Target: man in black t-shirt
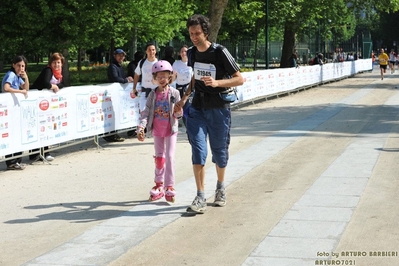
column 215, row 70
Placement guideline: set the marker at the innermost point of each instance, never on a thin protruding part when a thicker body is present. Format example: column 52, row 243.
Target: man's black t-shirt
column 217, row 62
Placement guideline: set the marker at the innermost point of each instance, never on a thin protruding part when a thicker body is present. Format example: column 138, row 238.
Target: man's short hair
column 200, row 20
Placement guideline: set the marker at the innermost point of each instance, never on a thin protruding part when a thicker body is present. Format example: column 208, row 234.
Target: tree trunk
column 79, row 63
column 215, row 14
column 289, row 43
column 65, row 69
column 256, row 45
column 133, row 48
column 111, row 49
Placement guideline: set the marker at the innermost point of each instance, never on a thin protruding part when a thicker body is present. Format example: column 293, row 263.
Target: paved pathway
column 312, row 180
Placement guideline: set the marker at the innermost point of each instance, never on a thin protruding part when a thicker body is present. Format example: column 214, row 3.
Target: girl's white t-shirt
column 184, row 72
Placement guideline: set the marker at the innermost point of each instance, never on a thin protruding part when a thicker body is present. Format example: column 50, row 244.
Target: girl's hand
column 178, row 111
column 141, row 134
column 23, row 74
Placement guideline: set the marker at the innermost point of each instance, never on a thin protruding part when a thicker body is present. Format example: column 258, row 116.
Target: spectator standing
column 392, row 61
column 116, row 73
column 169, row 55
column 16, row 81
column 143, row 74
column 383, row 60
column 209, row 115
column 244, row 58
column 319, row 59
column 50, row 78
column 160, row 117
column 131, row 67
column 292, row 61
column 372, row 60
column 184, row 74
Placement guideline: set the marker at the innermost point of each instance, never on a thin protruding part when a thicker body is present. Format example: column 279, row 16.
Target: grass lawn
column 89, row 75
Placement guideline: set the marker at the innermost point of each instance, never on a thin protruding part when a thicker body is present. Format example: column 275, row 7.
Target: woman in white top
column 183, row 74
column 143, row 75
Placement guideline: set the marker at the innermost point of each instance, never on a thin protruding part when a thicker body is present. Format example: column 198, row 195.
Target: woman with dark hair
column 51, row 79
column 131, row 67
column 16, row 81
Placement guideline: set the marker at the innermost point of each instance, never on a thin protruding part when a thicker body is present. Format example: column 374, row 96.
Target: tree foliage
column 43, row 26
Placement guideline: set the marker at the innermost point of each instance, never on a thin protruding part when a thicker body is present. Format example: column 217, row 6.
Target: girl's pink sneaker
column 157, row 192
column 170, row 194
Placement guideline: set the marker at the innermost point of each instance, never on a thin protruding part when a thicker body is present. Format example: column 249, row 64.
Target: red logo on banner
column 4, row 135
column 93, row 98
column 44, row 105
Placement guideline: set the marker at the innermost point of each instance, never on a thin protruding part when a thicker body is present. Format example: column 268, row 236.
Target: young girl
column 160, row 119
column 16, row 81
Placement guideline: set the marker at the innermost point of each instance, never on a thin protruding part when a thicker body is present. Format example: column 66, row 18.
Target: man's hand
column 209, row 81
column 179, row 106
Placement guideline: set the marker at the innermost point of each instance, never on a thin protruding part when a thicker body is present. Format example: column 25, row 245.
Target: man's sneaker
column 16, row 166
column 220, row 197
column 198, row 205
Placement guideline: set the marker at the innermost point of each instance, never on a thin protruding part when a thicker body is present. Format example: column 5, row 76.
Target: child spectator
column 16, row 81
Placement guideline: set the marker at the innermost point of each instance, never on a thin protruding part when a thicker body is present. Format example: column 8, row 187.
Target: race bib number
column 204, row 70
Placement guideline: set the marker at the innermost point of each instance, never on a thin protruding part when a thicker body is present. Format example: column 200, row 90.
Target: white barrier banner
column 45, row 118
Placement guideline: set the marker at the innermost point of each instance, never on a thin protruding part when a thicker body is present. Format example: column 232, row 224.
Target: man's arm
column 135, row 81
column 185, row 97
column 235, row 80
